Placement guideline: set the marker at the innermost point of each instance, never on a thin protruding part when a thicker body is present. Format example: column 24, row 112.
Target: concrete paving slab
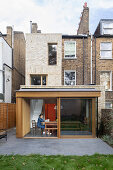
column 52, row 146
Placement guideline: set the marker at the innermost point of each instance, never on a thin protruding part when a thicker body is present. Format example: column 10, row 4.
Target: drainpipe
column 3, row 84
column 95, row 60
column 4, row 78
column 97, row 117
column 91, row 59
column 83, row 60
column 12, row 44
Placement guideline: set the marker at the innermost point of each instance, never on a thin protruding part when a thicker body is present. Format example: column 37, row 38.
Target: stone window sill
column 70, row 58
column 106, row 58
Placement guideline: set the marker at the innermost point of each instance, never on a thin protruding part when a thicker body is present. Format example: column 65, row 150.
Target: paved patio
column 53, row 146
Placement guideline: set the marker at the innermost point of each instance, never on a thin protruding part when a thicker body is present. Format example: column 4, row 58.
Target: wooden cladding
column 57, row 94
column 22, row 117
column 7, row 115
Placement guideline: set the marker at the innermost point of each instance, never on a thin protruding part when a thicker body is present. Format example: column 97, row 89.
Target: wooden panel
column 3, row 116
column 93, row 119
column 7, row 115
column 19, row 118
column 11, row 115
column 57, row 94
column 25, row 116
column 50, row 112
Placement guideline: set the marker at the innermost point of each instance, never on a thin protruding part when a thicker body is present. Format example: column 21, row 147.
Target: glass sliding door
column 76, row 117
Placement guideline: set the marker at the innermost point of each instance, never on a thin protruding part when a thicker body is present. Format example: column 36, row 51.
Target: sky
column 52, row 16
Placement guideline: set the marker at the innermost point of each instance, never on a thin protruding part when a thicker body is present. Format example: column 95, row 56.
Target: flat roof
column 75, row 36
column 106, row 20
column 104, row 36
column 58, row 90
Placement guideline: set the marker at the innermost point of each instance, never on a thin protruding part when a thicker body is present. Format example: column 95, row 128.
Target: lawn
column 34, row 162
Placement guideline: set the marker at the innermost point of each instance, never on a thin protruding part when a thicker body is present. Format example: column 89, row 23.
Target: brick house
column 60, row 85
column 103, row 54
column 5, row 71
column 16, row 41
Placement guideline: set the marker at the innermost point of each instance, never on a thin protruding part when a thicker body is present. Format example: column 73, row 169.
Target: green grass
column 34, row 162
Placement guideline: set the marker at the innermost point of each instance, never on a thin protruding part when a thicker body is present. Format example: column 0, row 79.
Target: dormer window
column 108, row 28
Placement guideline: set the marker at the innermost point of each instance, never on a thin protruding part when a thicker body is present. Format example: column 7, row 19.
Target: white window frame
column 105, row 50
column 64, row 77
column 107, row 26
column 75, row 50
column 107, row 29
column 110, row 104
column 110, row 79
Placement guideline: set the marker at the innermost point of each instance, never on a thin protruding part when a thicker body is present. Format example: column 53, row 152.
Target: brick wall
column 102, row 64
column 8, row 36
column 78, row 64
column 107, row 122
column 18, row 71
column 18, row 62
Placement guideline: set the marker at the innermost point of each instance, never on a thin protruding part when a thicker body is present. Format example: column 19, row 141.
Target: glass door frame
column 93, row 118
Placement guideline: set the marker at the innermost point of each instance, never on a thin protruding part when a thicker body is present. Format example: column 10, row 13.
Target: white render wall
column 1, row 67
column 37, row 57
column 6, row 58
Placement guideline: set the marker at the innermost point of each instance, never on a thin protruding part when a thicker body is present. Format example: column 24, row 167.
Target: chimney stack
column 9, row 35
column 34, row 28
column 84, row 21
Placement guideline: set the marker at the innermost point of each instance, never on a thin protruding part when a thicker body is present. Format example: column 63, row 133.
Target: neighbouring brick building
column 103, row 56
column 16, row 40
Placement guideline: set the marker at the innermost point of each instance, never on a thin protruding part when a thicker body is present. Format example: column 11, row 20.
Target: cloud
column 51, row 15
column 101, row 4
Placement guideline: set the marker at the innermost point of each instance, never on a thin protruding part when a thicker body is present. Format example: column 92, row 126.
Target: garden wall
column 7, row 115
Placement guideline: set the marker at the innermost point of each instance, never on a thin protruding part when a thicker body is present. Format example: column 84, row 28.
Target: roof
column 97, row 32
column 106, row 20
column 58, row 90
column 75, row 36
column 104, row 36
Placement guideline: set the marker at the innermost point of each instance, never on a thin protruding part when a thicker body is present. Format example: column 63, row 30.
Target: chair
column 34, row 126
column 3, row 134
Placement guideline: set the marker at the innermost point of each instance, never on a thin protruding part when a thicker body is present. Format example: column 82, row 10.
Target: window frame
column 75, row 50
column 107, row 29
column 52, row 43
column 110, row 79
column 106, row 58
column 108, row 102
column 107, row 26
column 64, row 77
column 41, row 75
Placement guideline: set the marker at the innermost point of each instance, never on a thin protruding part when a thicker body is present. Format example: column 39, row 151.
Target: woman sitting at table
column 41, row 122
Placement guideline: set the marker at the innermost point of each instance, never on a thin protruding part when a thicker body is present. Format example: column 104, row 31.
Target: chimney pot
column 85, row 5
